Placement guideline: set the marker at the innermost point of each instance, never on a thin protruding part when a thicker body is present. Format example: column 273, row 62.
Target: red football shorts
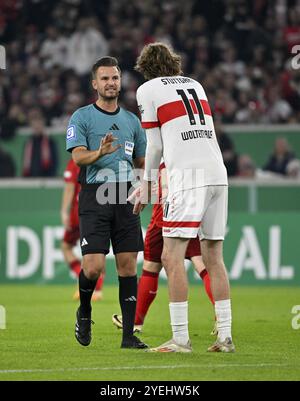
column 154, row 245
column 71, row 236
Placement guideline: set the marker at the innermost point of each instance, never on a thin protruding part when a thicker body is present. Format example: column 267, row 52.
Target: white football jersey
column 179, row 107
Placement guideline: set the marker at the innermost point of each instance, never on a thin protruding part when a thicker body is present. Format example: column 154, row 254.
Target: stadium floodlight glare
column 2, row 58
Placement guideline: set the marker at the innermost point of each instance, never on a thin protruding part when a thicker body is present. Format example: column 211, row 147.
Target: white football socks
column 179, row 321
column 223, row 315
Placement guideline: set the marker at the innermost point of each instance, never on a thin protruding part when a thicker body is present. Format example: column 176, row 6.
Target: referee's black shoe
column 83, row 332
column 133, row 342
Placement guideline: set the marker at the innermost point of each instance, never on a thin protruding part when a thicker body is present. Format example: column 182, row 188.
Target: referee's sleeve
column 76, row 132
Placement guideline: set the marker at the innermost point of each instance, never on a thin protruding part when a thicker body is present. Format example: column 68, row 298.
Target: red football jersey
column 71, row 175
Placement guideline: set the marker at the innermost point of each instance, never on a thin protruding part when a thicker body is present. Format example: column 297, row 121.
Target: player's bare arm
column 139, row 163
column 139, row 167
column 66, row 204
column 142, row 195
column 84, row 157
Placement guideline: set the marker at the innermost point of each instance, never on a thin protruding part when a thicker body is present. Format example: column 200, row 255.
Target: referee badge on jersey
column 71, row 132
column 129, row 148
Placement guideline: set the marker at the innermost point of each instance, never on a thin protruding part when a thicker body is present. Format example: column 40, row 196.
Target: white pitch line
column 239, row 365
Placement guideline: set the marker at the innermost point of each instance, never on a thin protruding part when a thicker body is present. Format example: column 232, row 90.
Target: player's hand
column 141, row 197
column 65, row 219
column 106, row 145
column 136, row 197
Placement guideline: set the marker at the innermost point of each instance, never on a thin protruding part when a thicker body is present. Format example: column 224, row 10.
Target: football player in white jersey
column 176, row 114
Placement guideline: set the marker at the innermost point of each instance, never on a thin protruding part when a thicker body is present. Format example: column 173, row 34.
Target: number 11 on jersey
column 188, row 106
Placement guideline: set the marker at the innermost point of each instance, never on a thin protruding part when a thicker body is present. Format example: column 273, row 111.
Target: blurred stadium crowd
column 239, row 50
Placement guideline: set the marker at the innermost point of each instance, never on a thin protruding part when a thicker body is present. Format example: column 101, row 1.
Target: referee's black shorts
column 113, row 221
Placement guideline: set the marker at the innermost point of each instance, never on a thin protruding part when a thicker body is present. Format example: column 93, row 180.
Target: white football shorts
column 199, row 211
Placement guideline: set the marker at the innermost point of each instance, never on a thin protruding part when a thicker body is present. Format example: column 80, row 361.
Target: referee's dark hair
column 106, row 61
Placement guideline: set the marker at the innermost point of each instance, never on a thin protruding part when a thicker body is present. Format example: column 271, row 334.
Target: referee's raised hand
column 106, row 145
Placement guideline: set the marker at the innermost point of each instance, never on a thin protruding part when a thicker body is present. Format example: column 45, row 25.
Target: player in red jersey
column 70, row 221
column 148, row 283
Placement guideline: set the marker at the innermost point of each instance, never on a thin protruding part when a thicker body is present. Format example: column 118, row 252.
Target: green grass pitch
column 39, row 344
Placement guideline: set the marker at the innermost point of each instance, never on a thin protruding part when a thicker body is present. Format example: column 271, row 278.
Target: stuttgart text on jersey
column 179, row 80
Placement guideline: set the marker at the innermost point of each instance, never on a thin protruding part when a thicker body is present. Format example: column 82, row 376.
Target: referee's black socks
column 127, row 299
column 86, row 289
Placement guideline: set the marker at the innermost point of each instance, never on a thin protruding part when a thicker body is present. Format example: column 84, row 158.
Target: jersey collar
column 110, row 113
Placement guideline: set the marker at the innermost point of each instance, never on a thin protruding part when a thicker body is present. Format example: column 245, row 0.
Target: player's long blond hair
column 158, row 60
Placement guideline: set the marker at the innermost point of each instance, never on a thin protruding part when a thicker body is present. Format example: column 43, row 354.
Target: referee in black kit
column 107, row 160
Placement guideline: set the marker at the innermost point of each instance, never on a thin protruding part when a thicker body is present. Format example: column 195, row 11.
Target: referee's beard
column 103, row 96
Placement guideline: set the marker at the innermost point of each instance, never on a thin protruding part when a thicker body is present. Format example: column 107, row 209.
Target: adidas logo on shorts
column 84, row 242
